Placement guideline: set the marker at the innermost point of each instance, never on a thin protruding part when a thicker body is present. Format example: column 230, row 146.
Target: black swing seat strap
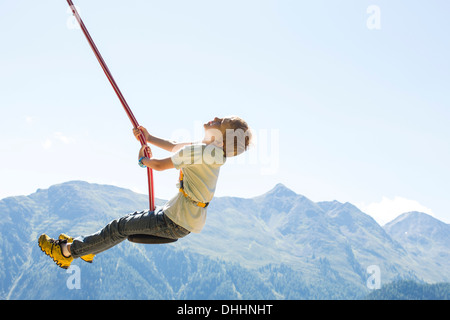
column 148, row 239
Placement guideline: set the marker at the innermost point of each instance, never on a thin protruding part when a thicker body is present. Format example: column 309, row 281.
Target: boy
column 184, row 213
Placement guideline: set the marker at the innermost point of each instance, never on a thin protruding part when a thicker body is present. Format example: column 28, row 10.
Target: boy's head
column 231, row 133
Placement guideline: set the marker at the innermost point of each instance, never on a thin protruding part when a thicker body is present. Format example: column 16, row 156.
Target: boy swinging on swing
column 185, row 212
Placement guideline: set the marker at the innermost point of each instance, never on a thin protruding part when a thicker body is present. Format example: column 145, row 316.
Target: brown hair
column 237, row 137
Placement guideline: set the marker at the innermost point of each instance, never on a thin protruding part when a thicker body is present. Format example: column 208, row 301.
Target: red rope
column 119, row 95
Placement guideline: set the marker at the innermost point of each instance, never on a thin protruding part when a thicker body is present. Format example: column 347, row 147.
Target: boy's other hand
column 137, row 132
column 142, row 151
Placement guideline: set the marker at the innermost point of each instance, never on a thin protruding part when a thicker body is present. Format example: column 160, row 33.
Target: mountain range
column 279, row 245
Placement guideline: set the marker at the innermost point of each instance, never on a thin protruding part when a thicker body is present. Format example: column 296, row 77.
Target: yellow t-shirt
column 201, row 165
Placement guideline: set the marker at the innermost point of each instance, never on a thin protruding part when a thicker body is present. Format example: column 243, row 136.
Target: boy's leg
column 144, row 222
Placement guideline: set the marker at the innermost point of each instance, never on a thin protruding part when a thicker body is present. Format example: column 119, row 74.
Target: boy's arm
column 171, row 146
column 167, row 145
column 158, row 164
column 155, row 164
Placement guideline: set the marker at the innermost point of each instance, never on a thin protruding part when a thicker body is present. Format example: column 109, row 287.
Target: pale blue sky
column 341, row 112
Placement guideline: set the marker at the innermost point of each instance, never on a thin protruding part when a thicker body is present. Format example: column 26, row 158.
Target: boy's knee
column 116, row 229
column 125, row 224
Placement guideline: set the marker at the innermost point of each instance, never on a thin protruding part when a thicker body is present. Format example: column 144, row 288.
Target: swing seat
column 148, row 239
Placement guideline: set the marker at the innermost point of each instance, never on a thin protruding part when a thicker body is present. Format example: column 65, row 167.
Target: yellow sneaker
column 52, row 248
column 88, row 258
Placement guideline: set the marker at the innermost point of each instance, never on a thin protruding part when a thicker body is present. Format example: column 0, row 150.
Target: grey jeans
column 154, row 223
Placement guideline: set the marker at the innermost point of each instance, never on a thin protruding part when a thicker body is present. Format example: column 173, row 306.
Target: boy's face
column 216, row 129
column 219, row 124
